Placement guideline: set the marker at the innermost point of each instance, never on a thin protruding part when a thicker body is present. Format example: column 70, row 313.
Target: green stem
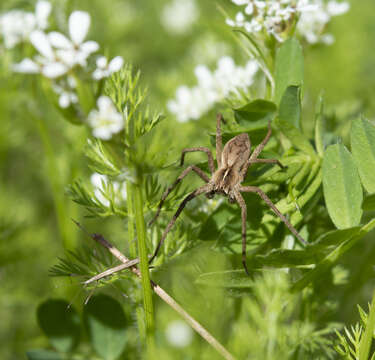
column 63, row 219
column 144, row 266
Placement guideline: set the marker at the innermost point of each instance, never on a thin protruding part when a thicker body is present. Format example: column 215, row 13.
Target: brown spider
column 233, row 162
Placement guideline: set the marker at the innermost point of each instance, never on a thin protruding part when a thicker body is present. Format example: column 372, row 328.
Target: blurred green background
column 30, row 235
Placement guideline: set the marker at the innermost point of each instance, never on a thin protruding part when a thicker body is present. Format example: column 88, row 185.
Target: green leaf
column 363, row 149
column 60, row 323
column 299, row 140
column 322, row 267
column 41, row 354
column 335, row 237
column 342, row 187
column 259, row 111
column 232, row 279
column 106, row 324
column 369, row 203
column 319, row 143
column 288, row 67
column 290, row 106
column 288, row 258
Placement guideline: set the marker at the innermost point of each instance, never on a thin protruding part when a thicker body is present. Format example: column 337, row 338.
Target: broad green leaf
column 288, row 67
column 363, row 149
column 233, row 279
column 257, row 111
column 41, row 354
column 288, row 258
column 369, row 203
column 335, row 237
column 322, row 267
column 299, row 140
column 60, row 323
column 319, row 143
column 107, row 326
column 290, row 106
column 342, row 187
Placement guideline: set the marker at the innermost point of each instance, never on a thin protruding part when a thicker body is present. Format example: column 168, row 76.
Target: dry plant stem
column 168, row 299
column 112, row 271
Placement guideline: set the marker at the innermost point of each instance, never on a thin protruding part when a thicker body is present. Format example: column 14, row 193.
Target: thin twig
column 165, row 297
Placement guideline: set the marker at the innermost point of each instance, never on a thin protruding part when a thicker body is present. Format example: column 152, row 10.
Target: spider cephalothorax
column 232, row 164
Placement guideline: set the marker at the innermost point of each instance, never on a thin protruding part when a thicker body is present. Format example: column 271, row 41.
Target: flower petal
column 79, row 23
column 27, row 66
column 89, row 47
column 41, row 42
column 42, row 11
column 54, row 69
column 101, row 62
column 116, row 64
column 59, row 40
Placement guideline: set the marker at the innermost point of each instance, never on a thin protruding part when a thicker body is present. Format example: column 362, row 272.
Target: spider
column 233, row 162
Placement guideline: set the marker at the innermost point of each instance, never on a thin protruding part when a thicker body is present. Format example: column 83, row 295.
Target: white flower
column 107, row 120
column 179, row 334
column 74, row 51
column 101, row 182
column 66, row 91
column 179, row 15
column 17, row 25
column 105, row 69
column 274, row 17
column 212, row 87
column 46, row 62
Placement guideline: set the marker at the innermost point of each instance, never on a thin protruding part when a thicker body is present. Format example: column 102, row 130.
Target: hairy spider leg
column 190, row 168
column 267, row 200
column 242, row 204
column 195, row 193
column 219, row 141
column 211, row 164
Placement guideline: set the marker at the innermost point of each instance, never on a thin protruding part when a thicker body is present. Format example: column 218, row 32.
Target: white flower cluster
column 276, row 17
column 17, row 25
column 100, row 183
column 212, row 87
column 62, row 58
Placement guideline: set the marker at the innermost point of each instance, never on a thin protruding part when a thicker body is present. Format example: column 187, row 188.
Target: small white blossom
column 17, row 25
column 105, row 69
column 179, row 15
column 212, row 87
column 101, row 182
column 74, row 51
column 275, row 17
column 105, row 121
column 45, row 62
column 179, row 334
column 66, row 91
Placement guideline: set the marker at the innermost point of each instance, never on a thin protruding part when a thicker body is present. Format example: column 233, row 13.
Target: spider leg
column 191, row 196
column 200, row 148
column 242, row 204
column 267, row 161
column 267, row 200
column 190, row 168
column 219, row 141
column 261, row 146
